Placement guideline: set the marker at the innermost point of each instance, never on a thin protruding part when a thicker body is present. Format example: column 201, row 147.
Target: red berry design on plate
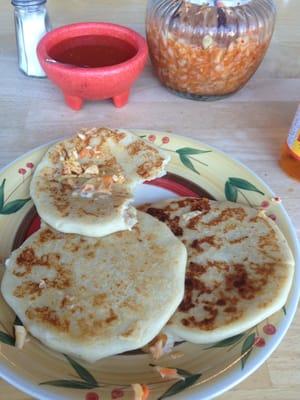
column 117, row 394
column 22, row 171
column 92, row 396
column 152, row 138
column 30, row 165
column 269, row 329
column 259, row 342
column 273, row 217
column 265, row 204
column 165, row 139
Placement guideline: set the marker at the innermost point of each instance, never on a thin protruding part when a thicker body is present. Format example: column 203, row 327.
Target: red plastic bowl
column 78, row 83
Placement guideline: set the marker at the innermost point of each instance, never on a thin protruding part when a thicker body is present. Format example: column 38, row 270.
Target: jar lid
column 219, row 3
column 25, row 3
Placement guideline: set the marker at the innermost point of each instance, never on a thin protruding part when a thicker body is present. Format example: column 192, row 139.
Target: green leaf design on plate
column 17, row 321
column 247, row 348
column 142, row 136
column 2, row 193
column 70, row 384
column 7, row 339
column 231, row 192
column 82, row 372
column 284, row 310
column 180, row 386
column 188, row 151
column 243, row 184
column 227, row 342
column 13, row 206
column 188, row 163
column 183, row 372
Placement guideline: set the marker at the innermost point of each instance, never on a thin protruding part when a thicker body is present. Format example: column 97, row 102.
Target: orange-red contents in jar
column 207, row 68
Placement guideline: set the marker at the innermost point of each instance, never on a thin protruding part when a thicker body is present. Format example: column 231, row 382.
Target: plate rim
column 235, row 376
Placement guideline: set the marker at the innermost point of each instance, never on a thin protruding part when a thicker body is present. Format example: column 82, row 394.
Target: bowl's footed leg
column 74, row 102
column 121, row 99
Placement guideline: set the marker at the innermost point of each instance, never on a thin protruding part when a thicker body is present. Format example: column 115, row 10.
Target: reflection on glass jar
column 208, row 49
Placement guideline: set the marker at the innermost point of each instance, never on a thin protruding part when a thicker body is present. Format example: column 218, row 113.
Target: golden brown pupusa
column 239, row 270
column 94, row 297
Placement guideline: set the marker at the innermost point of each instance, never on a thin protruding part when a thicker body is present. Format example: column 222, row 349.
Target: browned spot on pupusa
column 196, row 269
column 238, row 240
column 230, row 309
column 72, row 246
column 193, row 284
column 47, row 235
column 248, row 286
column 192, row 203
column 175, row 227
column 91, row 325
column 209, row 240
column 130, row 331
column 158, row 213
column 195, row 204
column 268, row 242
column 60, row 195
column 161, row 215
column 230, row 227
column 28, row 288
column 99, row 299
column 48, row 317
column 130, row 303
column 90, row 254
column 238, row 213
column 207, row 323
column 112, row 317
column 62, row 280
column 195, row 287
column 28, row 259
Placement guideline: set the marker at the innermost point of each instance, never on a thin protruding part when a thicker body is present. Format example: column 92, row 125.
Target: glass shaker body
column 31, row 24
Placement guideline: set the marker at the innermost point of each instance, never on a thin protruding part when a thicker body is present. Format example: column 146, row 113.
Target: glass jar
column 208, row 49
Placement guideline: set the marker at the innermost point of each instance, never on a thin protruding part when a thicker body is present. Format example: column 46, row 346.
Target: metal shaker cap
column 24, row 3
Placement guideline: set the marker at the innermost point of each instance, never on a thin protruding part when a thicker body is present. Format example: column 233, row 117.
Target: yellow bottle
column 290, row 153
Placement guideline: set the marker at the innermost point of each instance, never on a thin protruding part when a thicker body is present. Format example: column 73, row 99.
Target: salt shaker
column 31, row 23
